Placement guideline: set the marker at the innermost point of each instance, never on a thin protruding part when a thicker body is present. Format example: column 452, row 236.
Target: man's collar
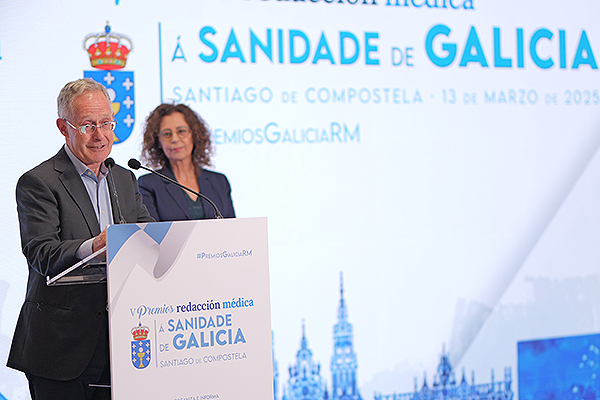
column 81, row 167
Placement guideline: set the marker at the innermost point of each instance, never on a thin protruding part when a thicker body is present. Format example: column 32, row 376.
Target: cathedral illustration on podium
column 305, row 381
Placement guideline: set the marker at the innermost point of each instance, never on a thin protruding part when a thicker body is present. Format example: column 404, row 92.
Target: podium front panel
column 189, row 310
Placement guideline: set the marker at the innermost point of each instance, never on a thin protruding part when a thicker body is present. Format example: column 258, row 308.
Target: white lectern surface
column 190, row 310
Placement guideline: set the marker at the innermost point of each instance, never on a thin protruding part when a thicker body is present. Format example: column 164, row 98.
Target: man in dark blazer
column 61, row 338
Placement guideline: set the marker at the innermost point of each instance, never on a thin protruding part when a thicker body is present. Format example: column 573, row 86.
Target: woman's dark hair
column 154, row 156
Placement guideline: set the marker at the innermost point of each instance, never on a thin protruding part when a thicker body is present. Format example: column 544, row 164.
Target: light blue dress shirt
column 97, row 188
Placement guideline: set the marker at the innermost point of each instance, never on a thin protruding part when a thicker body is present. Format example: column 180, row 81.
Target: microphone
column 109, row 163
column 135, row 164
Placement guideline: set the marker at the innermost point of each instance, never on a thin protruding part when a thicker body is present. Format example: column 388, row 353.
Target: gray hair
column 73, row 89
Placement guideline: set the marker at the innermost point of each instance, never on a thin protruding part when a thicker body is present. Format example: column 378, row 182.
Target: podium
column 86, row 271
column 189, row 310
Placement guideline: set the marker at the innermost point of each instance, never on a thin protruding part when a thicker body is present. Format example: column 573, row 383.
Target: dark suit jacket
column 166, row 201
column 59, row 326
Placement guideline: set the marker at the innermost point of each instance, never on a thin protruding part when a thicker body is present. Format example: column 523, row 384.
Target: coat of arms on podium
column 140, row 347
column 108, row 52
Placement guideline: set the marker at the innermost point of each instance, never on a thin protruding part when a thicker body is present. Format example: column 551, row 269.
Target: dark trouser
column 98, row 371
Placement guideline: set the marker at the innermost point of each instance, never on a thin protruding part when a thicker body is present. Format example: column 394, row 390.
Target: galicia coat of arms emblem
column 140, row 347
column 108, row 52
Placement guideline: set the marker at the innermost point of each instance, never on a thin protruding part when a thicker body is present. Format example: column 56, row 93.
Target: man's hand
column 99, row 241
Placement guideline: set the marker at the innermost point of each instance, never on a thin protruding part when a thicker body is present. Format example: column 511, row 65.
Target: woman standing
column 177, row 141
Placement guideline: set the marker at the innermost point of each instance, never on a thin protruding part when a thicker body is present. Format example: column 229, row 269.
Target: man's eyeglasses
column 167, row 134
column 88, row 129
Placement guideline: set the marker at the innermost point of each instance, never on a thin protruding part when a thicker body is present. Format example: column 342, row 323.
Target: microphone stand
column 109, row 162
column 135, row 164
